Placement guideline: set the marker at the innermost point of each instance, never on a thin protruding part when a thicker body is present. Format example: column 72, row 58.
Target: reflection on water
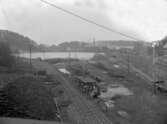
column 50, row 55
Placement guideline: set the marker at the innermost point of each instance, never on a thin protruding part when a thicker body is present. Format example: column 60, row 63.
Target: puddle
column 104, row 72
column 63, row 70
column 115, row 90
column 123, row 114
column 116, row 66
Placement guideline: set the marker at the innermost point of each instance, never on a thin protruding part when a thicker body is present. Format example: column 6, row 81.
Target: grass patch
column 27, row 97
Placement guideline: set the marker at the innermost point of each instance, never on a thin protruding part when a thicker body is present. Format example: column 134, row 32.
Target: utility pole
column 44, row 54
column 153, row 63
column 76, row 50
column 69, row 54
column 128, row 60
column 30, row 54
column 94, row 44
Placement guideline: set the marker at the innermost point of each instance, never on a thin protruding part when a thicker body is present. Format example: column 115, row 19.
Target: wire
column 89, row 21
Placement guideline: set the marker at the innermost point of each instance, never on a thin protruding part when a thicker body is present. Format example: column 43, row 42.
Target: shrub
column 29, row 98
column 6, row 58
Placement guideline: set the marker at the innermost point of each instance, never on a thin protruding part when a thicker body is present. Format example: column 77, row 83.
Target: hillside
column 17, row 41
column 116, row 43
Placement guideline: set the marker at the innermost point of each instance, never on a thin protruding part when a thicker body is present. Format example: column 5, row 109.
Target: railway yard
column 104, row 92
column 83, row 62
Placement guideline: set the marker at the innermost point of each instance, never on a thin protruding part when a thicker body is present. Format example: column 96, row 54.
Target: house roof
column 86, row 79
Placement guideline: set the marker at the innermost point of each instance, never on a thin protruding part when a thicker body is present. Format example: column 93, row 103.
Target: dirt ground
column 143, row 107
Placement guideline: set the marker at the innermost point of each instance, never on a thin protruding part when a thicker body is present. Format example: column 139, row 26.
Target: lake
column 51, row 55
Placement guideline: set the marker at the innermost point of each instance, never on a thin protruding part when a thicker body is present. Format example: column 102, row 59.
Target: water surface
column 51, row 55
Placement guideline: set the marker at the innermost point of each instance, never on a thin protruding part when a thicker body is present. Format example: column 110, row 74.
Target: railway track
column 88, row 112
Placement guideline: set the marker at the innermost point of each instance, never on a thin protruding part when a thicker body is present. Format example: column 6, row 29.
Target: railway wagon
column 88, row 85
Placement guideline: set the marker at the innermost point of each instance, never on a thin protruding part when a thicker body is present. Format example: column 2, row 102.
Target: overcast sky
column 143, row 19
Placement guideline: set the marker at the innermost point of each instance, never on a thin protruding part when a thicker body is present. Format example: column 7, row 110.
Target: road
column 89, row 113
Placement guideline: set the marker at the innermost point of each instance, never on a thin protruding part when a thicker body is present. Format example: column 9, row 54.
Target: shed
column 86, row 80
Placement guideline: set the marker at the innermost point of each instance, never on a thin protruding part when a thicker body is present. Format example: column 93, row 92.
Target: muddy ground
column 143, row 107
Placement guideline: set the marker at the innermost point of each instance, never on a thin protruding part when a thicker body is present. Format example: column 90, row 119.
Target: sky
column 143, row 19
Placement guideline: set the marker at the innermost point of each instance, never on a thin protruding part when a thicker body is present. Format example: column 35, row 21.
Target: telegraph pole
column 94, row 44
column 44, row 54
column 69, row 54
column 30, row 54
column 153, row 63
column 128, row 63
column 128, row 60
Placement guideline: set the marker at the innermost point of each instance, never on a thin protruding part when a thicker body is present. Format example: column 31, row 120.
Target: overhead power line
column 89, row 21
